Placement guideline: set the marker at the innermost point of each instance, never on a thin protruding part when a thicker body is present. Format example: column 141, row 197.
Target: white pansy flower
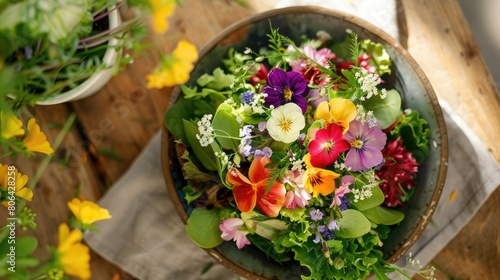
column 286, row 122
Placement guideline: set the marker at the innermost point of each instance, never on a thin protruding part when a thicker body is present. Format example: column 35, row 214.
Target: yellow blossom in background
column 72, row 255
column 175, row 68
column 87, row 212
column 36, row 141
column 161, row 11
column 21, row 190
column 10, row 125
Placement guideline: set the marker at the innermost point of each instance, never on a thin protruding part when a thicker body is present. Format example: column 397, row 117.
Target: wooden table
column 124, row 115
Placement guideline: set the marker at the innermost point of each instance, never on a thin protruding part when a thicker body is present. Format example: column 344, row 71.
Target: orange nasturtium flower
column 36, row 141
column 10, row 125
column 161, row 11
column 250, row 192
column 71, row 254
column 175, row 67
column 87, row 212
column 318, row 180
column 21, row 190
column 339, row 111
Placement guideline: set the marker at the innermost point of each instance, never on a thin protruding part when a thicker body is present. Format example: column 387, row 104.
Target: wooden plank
column 440, row 40
column 442, row 44
column 59, row 182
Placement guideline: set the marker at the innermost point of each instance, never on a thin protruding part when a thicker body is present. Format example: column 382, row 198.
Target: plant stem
column 117, row 6
column 45, row 162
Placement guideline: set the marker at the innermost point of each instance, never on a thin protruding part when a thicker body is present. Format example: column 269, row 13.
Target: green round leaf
column 374, row 200
column 385, row 110
column 353, row 224
column 203, row 227
column 384, row 216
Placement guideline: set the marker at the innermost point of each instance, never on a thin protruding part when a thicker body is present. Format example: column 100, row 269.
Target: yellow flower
column 73, row 256
column 318, row 180
column 87, row 212
column 36, row 141
column 339, row 110
column 161, row 10
column 10, row 174
column 175, row 68
column 10, row 125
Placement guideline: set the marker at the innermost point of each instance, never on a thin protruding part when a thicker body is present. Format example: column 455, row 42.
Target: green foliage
column 375, row 200
column 226, row 128
column 414, row 133
column 385, row 110
column 20, row 247
column 353, row 224
column 204, row 154
column 379, row 56
column 217, row 81
column 203, row 227
column 383, row 215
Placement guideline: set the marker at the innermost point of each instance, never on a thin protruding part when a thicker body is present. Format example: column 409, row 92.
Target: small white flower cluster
column 363, row 193
column 414, row 265
column 364, row 116
column 297, row 164
column 369, row 83
column 256, row 106
column 223, row 157
column 206, row 136
column 341, row 166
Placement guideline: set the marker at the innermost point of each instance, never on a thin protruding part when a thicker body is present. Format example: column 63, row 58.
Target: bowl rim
column 389, row 40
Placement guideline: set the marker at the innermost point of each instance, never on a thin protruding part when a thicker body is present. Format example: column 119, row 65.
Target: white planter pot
column 95, row 82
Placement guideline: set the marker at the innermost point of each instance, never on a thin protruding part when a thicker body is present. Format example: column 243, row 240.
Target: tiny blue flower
column 332, row 225
column 316, row 214
column 344, row 203
column 321, row 228
column 246, row 130
column 247, row 97
column 262, row 126
column 328, row 235
column 316, row 239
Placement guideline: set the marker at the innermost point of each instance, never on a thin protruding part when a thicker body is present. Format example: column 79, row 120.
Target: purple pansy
column 366, row 146
column 284, row 87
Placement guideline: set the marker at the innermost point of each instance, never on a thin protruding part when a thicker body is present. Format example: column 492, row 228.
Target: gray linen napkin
column 146, row 237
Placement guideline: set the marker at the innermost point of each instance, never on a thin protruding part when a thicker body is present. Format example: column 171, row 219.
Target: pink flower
column 299, row 196
column 346, row 181
column 231, row 231
column 309, row 70
column 327, row 145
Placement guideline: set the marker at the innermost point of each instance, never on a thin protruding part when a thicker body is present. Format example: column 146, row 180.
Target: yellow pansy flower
column 11, row 174
column 339, row 111
column 73, row 256
column 36, row 141
column 87, row 212
column 318, row 180
column 10, row 125
column 175, row 68
column 161, row 10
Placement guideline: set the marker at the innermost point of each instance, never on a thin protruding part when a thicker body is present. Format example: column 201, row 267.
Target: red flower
column 396, row 173
column 250, row 192
column 327, row 145
column 260, row 76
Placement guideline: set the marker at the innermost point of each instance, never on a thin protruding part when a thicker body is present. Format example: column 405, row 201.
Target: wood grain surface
column 115, row 124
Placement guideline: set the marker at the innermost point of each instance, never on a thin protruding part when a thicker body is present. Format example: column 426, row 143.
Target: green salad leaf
column 208, row 220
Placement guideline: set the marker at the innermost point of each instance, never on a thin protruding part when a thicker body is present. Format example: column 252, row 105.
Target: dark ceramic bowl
column 407, row 77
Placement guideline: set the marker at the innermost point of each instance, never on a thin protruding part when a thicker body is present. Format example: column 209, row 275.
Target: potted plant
column 57, row 51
